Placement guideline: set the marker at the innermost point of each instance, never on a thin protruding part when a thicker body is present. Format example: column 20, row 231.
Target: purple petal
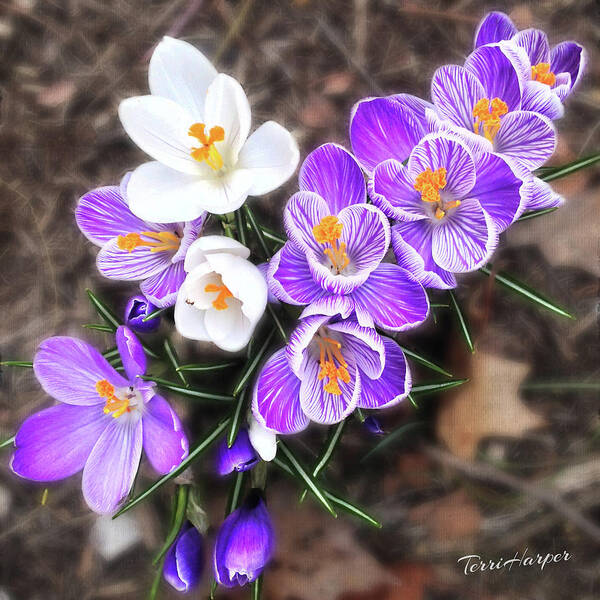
column 455, row 91
column 496, row 26
column 464, row 239
column 382, row 128
column 137, row 309
column 131, row 351
column 276, row 399
column 329, row 305
column 140, row 263
column 111, row 467
column 412, row 243
column 191, row 231
column 161, row 289
column 299, row 340
column 393, row 385
column 68, row 370
column 264, row 270
column 527, row 137
column 417, row 106
column 184, row 560
column 541, row 98
column 535, row 43
column 304, row 211
column 333, row 173
column 498, row 189
column 391, row 298
column 164, row 440
column 562, row 86
column 55, row 443
column 569, row 57
column 539, row 195
column 240, row 457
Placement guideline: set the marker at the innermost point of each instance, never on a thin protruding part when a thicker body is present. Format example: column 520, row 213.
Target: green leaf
column 391, row 438
column 207, row 368
column 257, row 588
column 100, row 327
column 526, row 292
column 240, row 227
column 236, row 419
column 174, row 360
column 442, row 386
column 251, row 365
column 111, row 353
column 156, row 581
column 257, row 231
column 352, row 509
column 412, row 400
column 552, row 173
column 235, row 492
column 6, row 443
column 562, row 386
column 308, row 480
column 178, row 519
column 155, row 313
column 269, row 234
column 103, row 310
column 533, row 214
column 425, row 361
column 462, row 322
column 25, row 364
column 185, row 463
column 275, row 317
column 184, row 391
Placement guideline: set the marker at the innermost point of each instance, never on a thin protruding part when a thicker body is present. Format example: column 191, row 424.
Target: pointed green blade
column 462, row 321
column 184, row 391
column 6, row 443
column 24, row 364
column 534, row 214
column 552, row 173
column 425, row 361
column 103, row 310
column 179, row 518
column 442, row 386
column 207, row 367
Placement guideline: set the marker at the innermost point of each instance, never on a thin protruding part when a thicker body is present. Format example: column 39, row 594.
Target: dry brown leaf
column 489, row 405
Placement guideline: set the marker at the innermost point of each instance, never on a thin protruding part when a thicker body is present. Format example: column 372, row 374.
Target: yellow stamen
column 166, row 241
column 329, row 231
column 488, row 114
column 113, row 405
column 207, row 151
column 330, row 354
column 224, row 293
column 542, row 73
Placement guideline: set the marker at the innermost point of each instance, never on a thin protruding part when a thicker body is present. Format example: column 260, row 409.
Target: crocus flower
column 133, row 249
column 101, row 423
column 449, row 205
column 558, row 70
column 372, row 425
column 184, row 561
column 195, row 124
column 136, row 310
column 245, row 543
column 223, row 296
column 329, row 367
column 240, row 457
column 333, row 261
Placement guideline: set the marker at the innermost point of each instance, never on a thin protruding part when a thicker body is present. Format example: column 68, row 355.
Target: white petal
column 180, row 72
column 271, row 154
column 159, row 194
column 227, row 107
column 189, row 320
column 160, row 127
column 263, row 440
column 195, row 285
column 225, row 193
column 211, row 244
column 229, row 329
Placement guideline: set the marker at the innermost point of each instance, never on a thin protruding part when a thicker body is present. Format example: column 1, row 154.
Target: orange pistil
column 207, row 152
column 223, row 293
column 542, row 73
column 329, row 231
column 429, row 183
column 113, row 404
column 488, row 114
column 166, row 241
column 330, row 354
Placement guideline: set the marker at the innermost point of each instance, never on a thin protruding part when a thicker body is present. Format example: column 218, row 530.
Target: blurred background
column 65, row 66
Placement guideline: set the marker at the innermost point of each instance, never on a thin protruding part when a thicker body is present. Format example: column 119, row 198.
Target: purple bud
column 184, row 560
column 373, row 426
column 240, row 457
column 137, row 308
column 244, row 543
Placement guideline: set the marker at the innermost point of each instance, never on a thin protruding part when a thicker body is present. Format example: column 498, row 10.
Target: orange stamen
column 113, row 404
column 488, row 114
column 207, row 151
column 223, row 293
column 429, row 183
column 166, row 241
column 329, row 231
column 542, row 73
column 330, row 354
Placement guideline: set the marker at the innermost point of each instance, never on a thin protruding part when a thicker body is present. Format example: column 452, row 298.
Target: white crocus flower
column 195, row 124
column 223, row 296
column 263, row 440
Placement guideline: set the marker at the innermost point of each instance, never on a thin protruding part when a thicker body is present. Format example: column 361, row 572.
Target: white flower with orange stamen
column 195, row 124
column 223, row 296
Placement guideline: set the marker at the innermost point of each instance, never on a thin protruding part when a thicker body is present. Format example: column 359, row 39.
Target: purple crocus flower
column 240, row 457
column 329, row 368
column 245, row 543
column 373, row 426
column 133, row 249
column 101, row 423
column 184, row 561
column 333, row 261
column 558, row 69
column 136, row 310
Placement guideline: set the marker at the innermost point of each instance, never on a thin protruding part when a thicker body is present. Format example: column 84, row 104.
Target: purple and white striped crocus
column 329, row 368
column 449, row 204
column 133, row 249
column 101, row 423
column 333, row 260
column 558, row 69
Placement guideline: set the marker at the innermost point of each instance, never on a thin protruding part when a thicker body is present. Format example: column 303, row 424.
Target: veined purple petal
column 535, row 43
column 526, row 137
column 137, row 309
column 184, row 561
column 496, row 26
column 539, row 195
column 464, row 239
column 412, row 243
column 111, row 467
column 393, row 385
column 276, row 399
column 300, row 338
column 161, row 289
column 304, row 211
column 418, row 106
column 164, row 440
column 333, row 173
column 382, row 128
column 240, row 457
column 55, row 443
column 68, row 370
column 264, row 269
column 562, row 86
column 329, row 305
column 131, row 351
column 391, row 298
column 541, row 98
column 569, row 57
column 140, row 263
column 191, row 231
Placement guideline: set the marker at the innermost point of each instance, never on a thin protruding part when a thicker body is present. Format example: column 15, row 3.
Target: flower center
column 488, row 115
column 331, row 353
column 429, row 183
column 329, row 231
column 116, row 406
column 222, row 292
column 165, row 241
column 207, row 151
column 542, row 73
